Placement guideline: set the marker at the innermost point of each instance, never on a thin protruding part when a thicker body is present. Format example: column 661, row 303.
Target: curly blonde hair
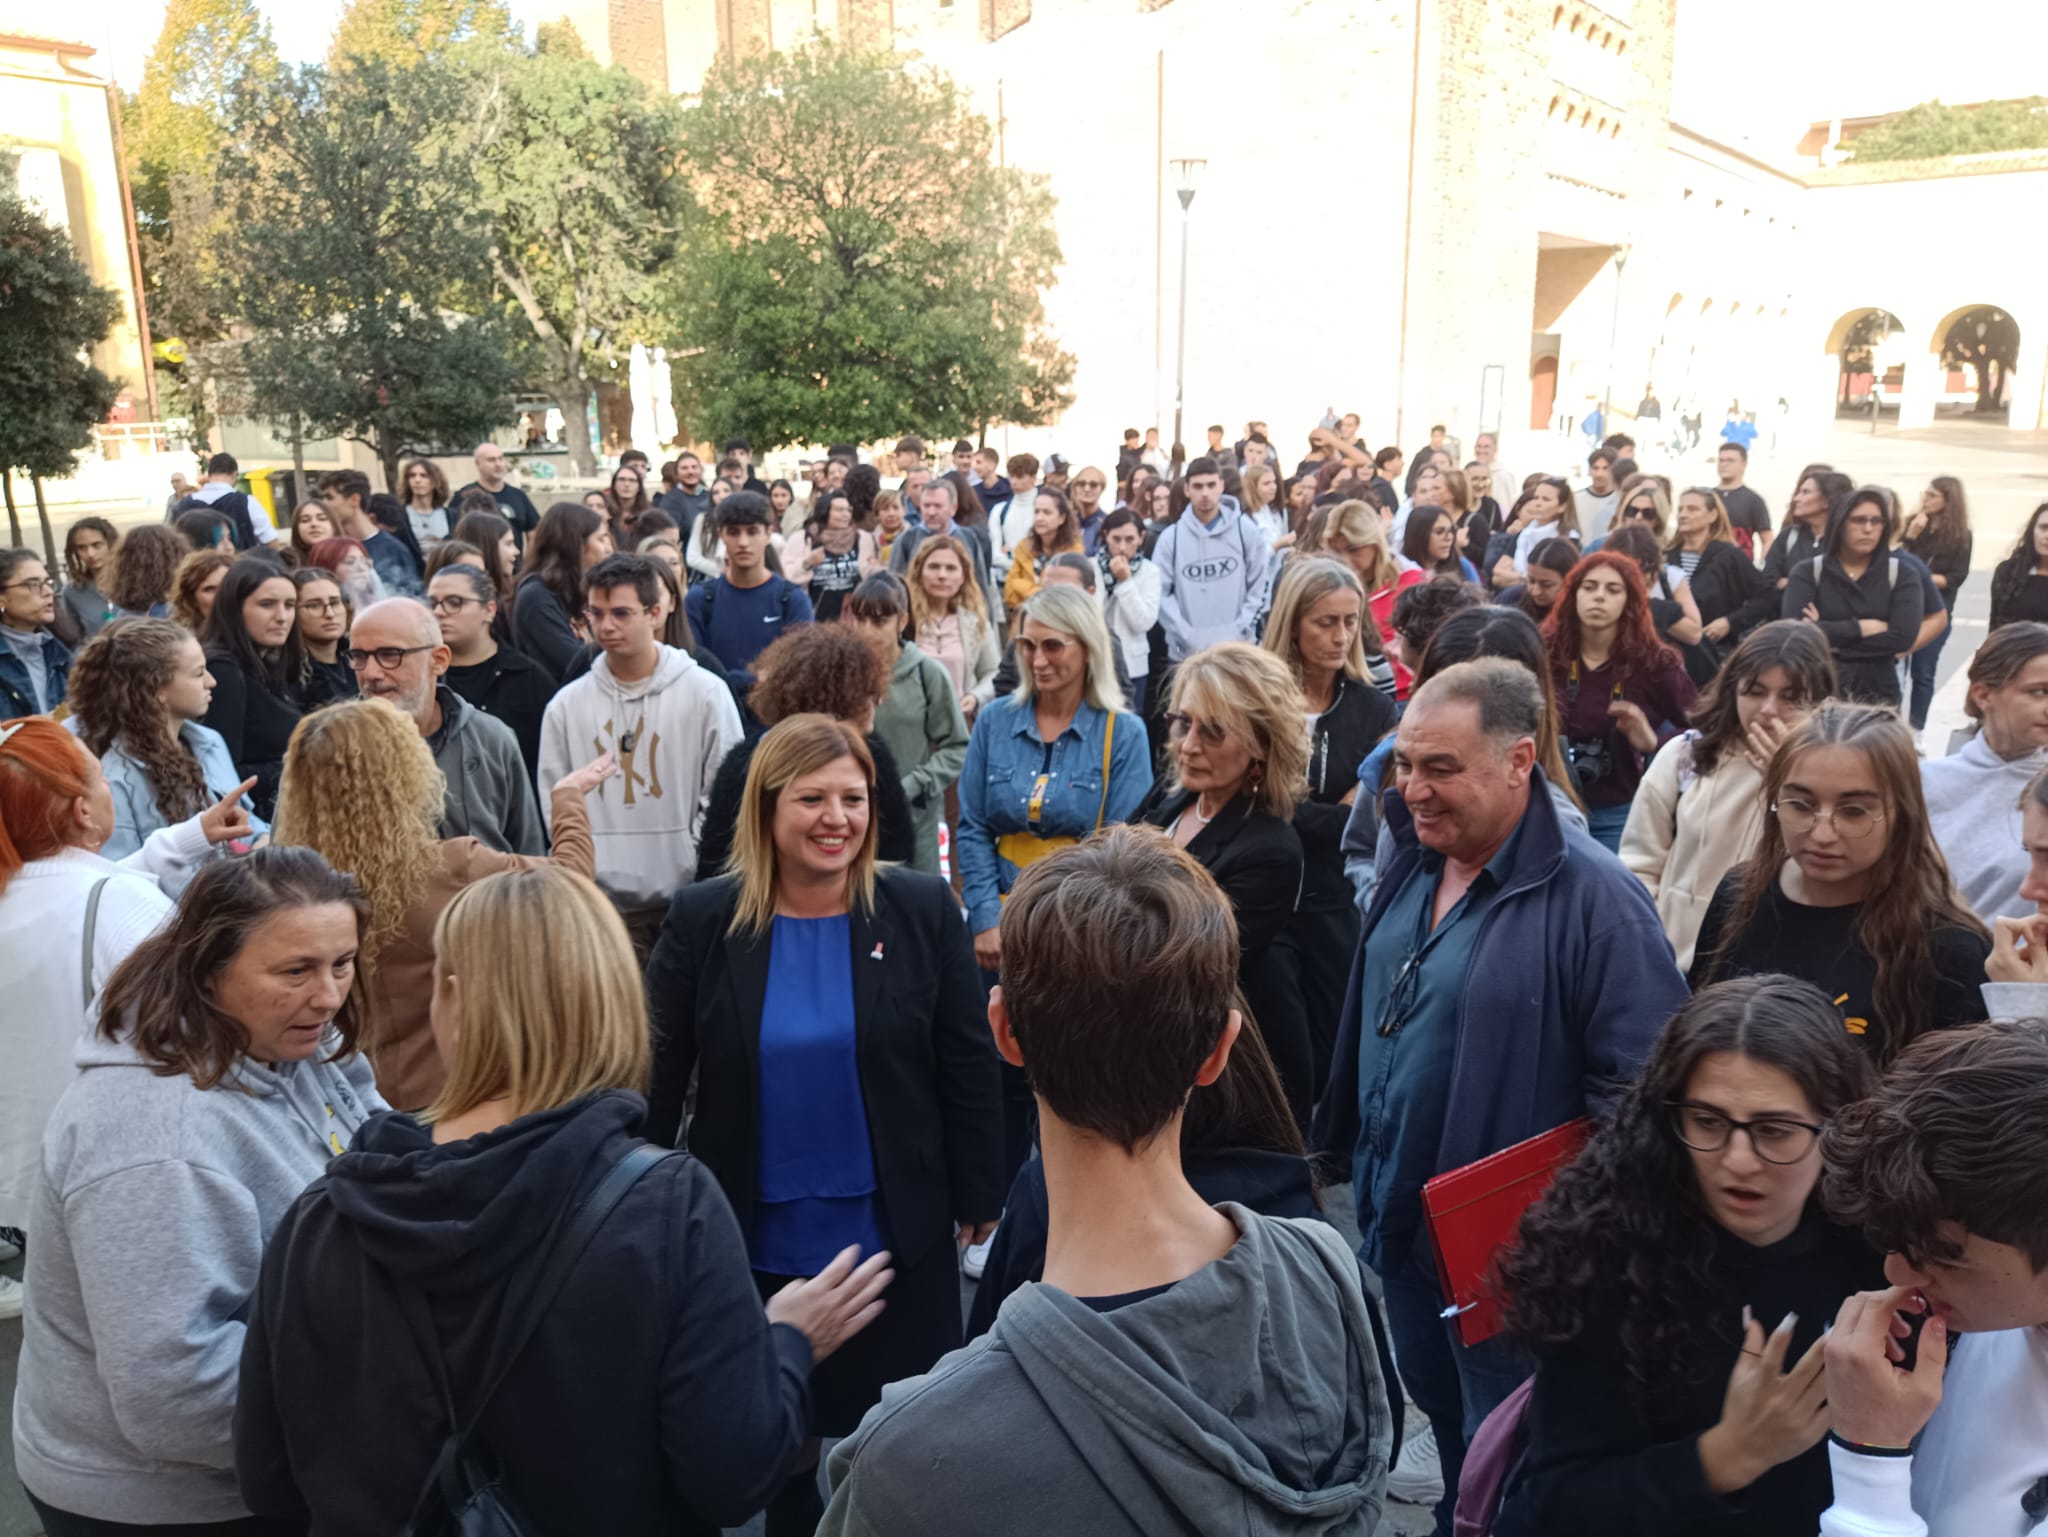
column 361, row 788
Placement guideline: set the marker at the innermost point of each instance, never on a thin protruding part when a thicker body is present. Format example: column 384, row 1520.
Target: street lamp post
column 1185, row 174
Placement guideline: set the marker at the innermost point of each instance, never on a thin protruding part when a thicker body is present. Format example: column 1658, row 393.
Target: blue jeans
column 1605, row 823
column 1454, row 1384
column 1922, row 664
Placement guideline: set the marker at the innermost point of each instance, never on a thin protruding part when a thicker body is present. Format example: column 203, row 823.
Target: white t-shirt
column 1984, row 1449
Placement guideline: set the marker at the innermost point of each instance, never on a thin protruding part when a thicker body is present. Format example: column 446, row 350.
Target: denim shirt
column 136, row 813
column 1005, row 756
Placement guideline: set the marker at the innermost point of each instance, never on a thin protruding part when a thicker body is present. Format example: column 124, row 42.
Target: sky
column 1760, row 62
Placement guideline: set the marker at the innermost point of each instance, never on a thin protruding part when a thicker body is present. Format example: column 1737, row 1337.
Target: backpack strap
column 572, row 1236
column 92, row 923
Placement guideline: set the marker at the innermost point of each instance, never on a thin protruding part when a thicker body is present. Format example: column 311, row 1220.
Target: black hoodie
column 653, row 1398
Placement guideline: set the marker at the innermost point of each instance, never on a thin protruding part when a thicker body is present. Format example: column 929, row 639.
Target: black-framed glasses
column 450, row 604
column 390, row 658
column 1211, row 734
column 1401, row 995
column 322, row 606
column 1776, row 1139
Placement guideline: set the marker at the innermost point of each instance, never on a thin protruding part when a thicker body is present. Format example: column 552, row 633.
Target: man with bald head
column 398, row 655
column 514, row 505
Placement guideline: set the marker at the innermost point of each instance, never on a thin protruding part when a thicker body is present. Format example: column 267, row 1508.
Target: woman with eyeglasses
column 253, row 651
column 1675, row 1281
column 1846, row 888
column 1237, row 767
column 323, row 622
column 33, row 662
column 1861, row 595
column 1700, row 809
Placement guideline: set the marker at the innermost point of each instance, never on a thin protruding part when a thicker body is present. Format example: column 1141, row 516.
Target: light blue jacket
column 136, row 813
column 1006, row 755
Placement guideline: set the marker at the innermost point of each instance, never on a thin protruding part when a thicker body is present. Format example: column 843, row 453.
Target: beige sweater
column 1680, row 842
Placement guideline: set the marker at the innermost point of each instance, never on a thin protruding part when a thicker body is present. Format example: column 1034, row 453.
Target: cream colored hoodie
column 671, row 730
column 1686, row 830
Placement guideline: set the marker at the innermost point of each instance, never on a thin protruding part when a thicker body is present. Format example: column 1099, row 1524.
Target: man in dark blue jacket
column 1511, row 977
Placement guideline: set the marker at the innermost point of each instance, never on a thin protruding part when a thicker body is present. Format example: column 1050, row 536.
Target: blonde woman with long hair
column 446, row 1218
column 1238, row 764
column 1050, row 763
column 950, row 622
column 360, row 787
column 1315, row 629
column 847, row 1089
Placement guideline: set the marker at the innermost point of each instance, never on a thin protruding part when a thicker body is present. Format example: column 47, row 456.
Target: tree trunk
column 300, row 490
column 572, row 396
column 13, row 515
column 43, row 517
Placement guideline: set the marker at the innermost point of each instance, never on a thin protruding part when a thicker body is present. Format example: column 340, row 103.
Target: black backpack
column 463, row 1496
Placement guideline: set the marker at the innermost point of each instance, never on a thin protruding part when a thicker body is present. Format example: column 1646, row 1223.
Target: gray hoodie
column 155, row 1203
column 1245, row 1401
column 1213, row 580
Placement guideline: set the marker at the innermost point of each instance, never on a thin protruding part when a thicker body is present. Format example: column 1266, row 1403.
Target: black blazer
column 1256, row 859
column 928, row 1069
column 256, row 724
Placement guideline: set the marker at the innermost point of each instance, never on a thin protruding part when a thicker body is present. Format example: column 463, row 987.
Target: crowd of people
column 1059, row 876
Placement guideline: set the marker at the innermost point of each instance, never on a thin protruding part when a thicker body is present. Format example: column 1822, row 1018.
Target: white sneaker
column 10, row 1297
column 1418, row 1475
column 974, row 1258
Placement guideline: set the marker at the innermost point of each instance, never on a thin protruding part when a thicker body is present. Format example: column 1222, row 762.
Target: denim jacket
column 136, row 813
column 16, row 695
column 1004, row 759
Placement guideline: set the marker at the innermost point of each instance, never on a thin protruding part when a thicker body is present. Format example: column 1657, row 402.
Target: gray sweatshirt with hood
column 1245, row 1401
column 149, row 1223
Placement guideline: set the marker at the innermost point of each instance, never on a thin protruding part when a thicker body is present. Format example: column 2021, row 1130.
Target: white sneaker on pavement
column 1418, row 1475
column 10, row 1297
column 974, row 1258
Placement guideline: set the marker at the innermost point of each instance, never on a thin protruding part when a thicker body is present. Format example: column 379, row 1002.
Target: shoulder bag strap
column 569, row 1243
column 92, row 923
column 1108, row 736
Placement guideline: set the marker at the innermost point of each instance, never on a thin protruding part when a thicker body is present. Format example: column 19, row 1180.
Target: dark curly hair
column 1957, row 1134
column 1622, row 1243
column 145, row 565
column 821, row 669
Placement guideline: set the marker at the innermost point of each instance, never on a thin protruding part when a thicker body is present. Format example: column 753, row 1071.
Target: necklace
column 1195, row 808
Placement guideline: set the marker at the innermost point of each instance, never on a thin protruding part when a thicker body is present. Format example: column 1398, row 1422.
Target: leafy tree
column 576, row 189
column 349, row 192
column 1991, row 355
column 1931, row 130
column 405, row 32
column 210, row 54
column 859, row 263
column 52, row 315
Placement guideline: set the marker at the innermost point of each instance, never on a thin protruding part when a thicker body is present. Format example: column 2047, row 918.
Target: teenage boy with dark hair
column 1942, row 1169
column 742, row 450
column 738, row 614
column 1182, row 1367
column 671, row 723
column 346, row 494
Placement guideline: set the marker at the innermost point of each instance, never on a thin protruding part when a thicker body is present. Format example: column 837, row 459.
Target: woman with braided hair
column 138, row 690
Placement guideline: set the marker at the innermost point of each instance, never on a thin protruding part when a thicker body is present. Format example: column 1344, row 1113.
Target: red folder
column 1474, row 1212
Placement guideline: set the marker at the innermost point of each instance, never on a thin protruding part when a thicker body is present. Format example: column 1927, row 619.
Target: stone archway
column 1981, row 343
column 1852, row 371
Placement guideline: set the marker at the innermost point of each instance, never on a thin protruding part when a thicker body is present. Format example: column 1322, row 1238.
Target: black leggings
column 59, row 1523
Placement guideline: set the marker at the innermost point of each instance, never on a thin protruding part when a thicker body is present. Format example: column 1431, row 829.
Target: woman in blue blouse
column 848, row 1094
column 138, row 690
column 1049, row 764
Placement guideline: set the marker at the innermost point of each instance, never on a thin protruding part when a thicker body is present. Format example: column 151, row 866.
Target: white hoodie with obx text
column 671, row 730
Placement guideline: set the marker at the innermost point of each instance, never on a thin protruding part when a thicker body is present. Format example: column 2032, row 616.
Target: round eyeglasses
column 1776, row 1139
